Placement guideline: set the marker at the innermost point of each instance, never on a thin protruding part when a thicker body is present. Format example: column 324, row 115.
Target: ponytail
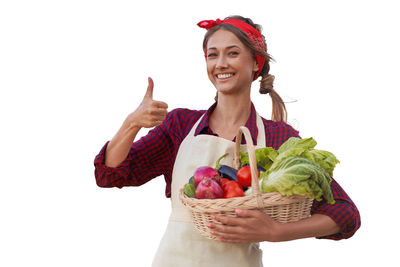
column 278, row 106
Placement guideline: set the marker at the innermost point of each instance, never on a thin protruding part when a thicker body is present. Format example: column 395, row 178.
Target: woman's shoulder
column 277, row 132
column 181, row 120
column 279, row 126
column 184, row 115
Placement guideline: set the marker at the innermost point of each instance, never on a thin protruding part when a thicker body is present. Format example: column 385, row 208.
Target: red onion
column 208, row 188
column 203, row 172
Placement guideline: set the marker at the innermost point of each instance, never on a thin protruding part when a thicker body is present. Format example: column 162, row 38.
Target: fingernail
column 238, row 211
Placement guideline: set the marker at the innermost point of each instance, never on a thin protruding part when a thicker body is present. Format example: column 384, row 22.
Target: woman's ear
column 255, row 66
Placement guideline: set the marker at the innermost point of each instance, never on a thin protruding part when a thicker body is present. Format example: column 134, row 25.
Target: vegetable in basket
column 190, row 190
column 191, row 181
column 225, row 171
column 296, row 168
column 244, row 176
column 204, row 184
column 204, row 172
column 305, row 148
column 214, row 187
column 233, row 189
column 264, row 157
column 209, row 188
column 297, row 175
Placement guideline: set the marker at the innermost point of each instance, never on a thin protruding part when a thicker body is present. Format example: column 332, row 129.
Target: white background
column 70, row 72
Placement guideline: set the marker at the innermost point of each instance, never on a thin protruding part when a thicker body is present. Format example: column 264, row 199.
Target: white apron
column 182, row 245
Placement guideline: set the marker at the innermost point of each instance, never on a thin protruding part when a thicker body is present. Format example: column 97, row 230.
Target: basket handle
column 252, row 157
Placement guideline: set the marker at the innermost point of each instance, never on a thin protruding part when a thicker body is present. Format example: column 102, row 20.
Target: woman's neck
column 230, row 113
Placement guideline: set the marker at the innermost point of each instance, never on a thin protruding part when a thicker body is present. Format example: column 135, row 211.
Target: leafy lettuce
column 296, row 168
column 297, row 175
column 305, row 148
column 264, row 156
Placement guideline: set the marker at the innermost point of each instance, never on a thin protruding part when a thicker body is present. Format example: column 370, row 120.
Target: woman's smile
column 230, row 64
column 224, row 76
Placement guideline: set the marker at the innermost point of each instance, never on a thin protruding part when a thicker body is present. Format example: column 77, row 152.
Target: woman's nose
column 221, row 62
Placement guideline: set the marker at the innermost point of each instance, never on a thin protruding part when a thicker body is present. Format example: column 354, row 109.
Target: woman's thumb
column 149, row 92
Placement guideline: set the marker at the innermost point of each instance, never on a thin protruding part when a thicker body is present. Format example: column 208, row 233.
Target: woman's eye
column 233, row 53
column 212, row 55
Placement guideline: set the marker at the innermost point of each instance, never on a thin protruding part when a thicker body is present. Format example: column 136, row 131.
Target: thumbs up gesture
column 150, row 112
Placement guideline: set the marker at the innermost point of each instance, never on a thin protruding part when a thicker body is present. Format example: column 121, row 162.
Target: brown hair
column 279, row 112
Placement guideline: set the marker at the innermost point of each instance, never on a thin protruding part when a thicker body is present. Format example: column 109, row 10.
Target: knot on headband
column 208, row 24
column 252, row 33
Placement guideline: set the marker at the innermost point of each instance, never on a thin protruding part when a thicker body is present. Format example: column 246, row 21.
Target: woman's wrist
column 314, row 226
column 131, row 124
column 130, row 128
column 276, row 233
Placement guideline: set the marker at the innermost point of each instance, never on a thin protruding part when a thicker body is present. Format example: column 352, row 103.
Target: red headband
column 251, row 32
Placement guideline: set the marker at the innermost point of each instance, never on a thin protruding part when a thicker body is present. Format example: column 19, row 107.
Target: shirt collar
column 251, row 124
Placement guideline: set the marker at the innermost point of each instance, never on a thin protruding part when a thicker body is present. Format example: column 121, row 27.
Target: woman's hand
column 249, row 226
column 150, row 113
column 255, row 226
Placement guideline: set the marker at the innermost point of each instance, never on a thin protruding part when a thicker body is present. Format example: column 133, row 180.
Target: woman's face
column 230, row 64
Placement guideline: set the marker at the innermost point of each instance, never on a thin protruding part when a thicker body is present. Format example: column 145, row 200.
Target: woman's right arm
column 150, row 113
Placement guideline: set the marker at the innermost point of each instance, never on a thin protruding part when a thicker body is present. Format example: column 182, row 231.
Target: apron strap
column 261, row 132
column 193, row 130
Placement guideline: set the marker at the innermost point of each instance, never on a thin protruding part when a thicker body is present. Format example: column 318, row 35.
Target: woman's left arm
column 337, row 221
column 255, row 226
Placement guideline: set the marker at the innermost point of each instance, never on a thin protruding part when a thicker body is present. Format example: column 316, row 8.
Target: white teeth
column 224, row 76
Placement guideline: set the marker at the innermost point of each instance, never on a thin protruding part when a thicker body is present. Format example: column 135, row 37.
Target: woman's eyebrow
column 228, row 47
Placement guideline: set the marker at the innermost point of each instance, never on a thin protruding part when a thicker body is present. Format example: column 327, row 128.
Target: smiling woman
column 183, row 140
column 249, row 35
column 230, row 64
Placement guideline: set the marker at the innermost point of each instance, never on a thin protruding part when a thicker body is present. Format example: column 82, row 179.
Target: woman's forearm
column 119, row 146
column 315, row 226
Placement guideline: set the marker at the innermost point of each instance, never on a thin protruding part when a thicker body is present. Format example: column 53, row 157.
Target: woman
column 183, row 140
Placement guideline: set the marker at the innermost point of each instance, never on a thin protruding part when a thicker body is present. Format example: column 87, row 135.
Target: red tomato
column 222, row 182
column 244, row 176
column 227, row 184
column 233, row 189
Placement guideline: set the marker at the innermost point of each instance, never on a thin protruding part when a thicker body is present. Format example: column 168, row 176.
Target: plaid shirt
column 154, row 155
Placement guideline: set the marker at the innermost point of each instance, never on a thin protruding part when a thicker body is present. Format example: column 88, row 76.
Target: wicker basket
column 278, row 207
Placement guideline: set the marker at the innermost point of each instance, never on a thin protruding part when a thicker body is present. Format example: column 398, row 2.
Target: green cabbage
column 295, row 147
column 296, row 168
column 323, row 158
column 298, row 175
column 305, row 148
column 295, row 142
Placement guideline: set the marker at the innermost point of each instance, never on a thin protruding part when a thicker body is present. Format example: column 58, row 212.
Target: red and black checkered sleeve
column 148, row 158
column 344, row 212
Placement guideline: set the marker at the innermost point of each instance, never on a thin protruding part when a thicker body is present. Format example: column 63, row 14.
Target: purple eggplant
column 228, row 172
